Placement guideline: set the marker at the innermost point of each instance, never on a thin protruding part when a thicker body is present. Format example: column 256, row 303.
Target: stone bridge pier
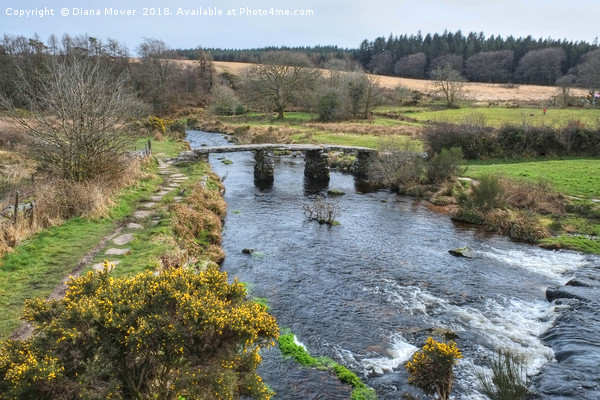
column 264, row 166
column 316, row 165
column 362, row 167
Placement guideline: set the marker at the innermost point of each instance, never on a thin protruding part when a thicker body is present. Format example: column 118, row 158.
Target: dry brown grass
column 537, row 197
column 11, row 133
column 56, row 200
column 474, row 91
column 198, row 224
column 260, row 134
column 365, row 129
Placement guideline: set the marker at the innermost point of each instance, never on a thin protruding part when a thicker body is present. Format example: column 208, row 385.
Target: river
column 368, row 292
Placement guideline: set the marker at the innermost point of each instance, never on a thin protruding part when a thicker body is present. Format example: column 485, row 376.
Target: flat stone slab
column 162, row 193
column 133, row 225
column 123, row 239
column 178, row 176
column 142, row 214
column 116, row 252
column 100, row 266
column 175, row 185
column 149, row 205
column 178, row 199
column 156, row 198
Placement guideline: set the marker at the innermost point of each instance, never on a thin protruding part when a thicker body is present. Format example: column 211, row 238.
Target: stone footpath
column 147, row 214
column 115, row 245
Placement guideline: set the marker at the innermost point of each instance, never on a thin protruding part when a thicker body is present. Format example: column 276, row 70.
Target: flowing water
column 369, row 291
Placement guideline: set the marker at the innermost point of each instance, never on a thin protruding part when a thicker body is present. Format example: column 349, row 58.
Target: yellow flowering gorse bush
column 431, row 368
column 179, row 333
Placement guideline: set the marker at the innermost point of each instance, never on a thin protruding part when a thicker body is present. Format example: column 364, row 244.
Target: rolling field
column 574, row 177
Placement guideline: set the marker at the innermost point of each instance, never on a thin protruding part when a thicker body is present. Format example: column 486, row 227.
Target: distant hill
column 475, row 91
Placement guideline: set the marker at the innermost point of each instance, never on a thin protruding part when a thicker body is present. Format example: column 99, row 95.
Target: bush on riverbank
column 510, row 207
column 479, row 141
column 431, row 368
column 178, row 333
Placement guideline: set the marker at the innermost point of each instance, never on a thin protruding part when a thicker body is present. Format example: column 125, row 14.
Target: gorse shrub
column 179, row 333
column 488, row 193
column 445, row 165
column 431, row 368
column 508, row 380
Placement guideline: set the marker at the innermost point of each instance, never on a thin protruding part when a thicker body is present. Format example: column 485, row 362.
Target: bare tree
column 565, row 83
column 382, row 64
column 411, row 66
column 541, row 66
column 490, row 66
column 455, row 61
column 279, row 80
column 449, row 83
column 373, row 96
column 77, row 118
column 588, row 70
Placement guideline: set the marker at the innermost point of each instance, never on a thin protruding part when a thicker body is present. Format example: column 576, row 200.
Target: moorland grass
column 498, row 116
column 36, row 266
column 590, row 245
column 574, row 177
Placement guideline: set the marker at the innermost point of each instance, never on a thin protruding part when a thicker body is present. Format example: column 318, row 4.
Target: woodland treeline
column 155, row 75
column 478, row 58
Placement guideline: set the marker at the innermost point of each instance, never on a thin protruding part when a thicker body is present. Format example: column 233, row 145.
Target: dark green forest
column 478, row 58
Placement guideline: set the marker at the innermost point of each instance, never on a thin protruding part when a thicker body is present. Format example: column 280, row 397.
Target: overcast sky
column 333, row 22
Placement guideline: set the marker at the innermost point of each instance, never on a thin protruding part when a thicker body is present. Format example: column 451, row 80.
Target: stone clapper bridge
column 316, row 158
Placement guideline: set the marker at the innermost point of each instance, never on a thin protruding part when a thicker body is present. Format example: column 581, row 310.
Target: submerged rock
column 335, row 192
column 465, row 252
column 247, row 251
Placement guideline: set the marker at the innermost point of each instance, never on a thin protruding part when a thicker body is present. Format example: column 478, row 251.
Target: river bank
column 369, row 291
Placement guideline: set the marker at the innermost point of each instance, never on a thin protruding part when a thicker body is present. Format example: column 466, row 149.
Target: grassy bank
column 574, row 177
column 36, row 266
column 291, row 348
column 578, row 228
column 497, row 116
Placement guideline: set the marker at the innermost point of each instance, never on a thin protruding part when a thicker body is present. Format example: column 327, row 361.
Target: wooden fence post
column 149, row 147
column 31, row 215
column 16, row 208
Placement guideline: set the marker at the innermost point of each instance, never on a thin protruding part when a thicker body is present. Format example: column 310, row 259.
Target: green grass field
column 574, row 177
column 498, row 116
